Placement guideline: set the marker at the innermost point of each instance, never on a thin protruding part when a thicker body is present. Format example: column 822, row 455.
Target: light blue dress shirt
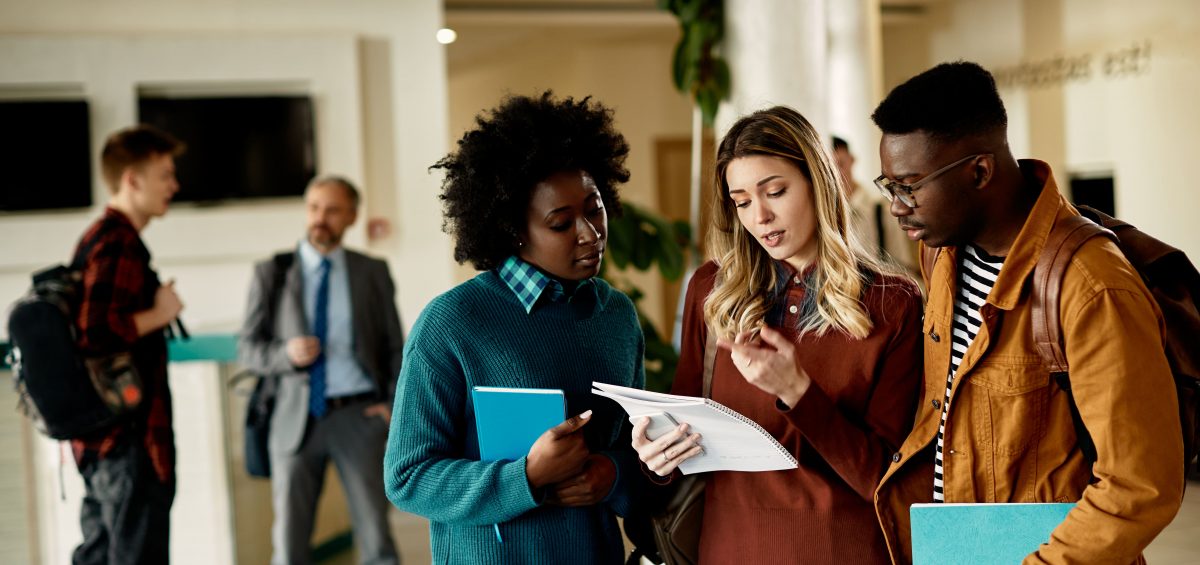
column 344, row 376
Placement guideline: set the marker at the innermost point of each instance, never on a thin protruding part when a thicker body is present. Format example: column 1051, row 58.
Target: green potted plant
column 642, row 240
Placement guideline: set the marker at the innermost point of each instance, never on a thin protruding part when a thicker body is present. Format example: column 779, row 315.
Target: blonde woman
column 819, row 343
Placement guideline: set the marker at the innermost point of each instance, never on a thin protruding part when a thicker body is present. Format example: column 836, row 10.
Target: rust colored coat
column 843, row 432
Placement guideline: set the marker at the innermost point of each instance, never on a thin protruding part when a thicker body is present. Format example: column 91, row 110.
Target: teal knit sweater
column 478, row 334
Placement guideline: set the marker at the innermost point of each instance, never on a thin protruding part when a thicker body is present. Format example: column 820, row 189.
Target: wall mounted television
column 238, row 147
column 46, row 155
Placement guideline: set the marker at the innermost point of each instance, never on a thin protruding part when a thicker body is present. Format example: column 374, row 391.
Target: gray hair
column 338, row 180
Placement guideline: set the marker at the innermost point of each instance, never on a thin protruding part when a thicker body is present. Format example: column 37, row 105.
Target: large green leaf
column 722, row 81
column 642, row 253
column 708, row 101
column 689, row 10
column 679, row 68
column 669, row 252
column 620, row 239
column 670, row 259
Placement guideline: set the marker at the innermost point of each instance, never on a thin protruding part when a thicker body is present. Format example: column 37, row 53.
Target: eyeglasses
column 892, row 189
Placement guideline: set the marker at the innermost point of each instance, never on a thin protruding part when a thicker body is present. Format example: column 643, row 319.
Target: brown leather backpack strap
column 710, row 360
column 1066, row 237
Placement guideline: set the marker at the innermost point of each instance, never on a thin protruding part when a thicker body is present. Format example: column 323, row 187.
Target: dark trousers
column 126, row 510
column 355, row 443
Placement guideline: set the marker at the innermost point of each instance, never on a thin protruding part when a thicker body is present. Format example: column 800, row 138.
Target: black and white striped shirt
column 977, row 273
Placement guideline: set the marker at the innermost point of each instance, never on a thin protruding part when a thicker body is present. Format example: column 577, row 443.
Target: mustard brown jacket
column 1009, row 435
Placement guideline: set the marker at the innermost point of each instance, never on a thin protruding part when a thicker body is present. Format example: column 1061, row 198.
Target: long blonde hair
column 747, row 282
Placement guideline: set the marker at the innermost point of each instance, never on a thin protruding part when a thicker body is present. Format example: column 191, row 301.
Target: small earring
column 520, row 244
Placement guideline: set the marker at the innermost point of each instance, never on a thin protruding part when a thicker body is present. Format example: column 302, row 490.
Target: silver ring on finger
column 665, row 458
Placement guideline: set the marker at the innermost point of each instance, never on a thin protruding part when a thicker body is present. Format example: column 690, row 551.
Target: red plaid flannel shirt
column 118, row 283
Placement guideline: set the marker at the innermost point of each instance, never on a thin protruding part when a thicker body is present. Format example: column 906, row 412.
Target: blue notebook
column 509, row 420
column 982, row 534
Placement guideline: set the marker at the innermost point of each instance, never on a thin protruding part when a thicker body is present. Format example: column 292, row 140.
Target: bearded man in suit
column 322, row 320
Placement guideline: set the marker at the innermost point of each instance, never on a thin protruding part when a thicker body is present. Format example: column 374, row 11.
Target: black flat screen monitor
column 46, row 155
column 237, row 147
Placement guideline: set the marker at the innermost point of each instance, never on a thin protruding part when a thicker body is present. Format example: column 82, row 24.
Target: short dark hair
column 490, row 178
column 950, row 101
column 340, row 181
column 133, row 146
column 839, row 143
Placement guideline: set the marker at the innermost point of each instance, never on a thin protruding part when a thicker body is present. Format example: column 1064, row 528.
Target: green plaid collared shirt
column 529, row 284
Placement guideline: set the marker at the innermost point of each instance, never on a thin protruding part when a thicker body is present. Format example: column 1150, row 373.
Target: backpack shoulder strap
column 281, row 263
column 1066, row 237
column 79, row 261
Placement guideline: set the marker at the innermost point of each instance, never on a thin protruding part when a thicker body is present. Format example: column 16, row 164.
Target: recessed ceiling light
column 446, row 36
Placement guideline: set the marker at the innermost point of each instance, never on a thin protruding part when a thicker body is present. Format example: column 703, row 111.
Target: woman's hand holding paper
column 664, row 454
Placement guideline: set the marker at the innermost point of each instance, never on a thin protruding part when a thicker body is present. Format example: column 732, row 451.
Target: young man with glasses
column 993, row 426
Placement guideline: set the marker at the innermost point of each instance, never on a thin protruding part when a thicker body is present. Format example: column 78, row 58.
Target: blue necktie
column 316, row 373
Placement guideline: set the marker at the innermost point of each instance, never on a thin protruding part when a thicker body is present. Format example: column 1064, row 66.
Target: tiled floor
column 1179, row 544
column 411, row 534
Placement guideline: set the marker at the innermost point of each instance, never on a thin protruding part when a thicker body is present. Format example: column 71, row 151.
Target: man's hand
column 303, row 350
column 380, row 409
column 587, row 488
column 167, row 302
column 167, row 307
column 559, row 453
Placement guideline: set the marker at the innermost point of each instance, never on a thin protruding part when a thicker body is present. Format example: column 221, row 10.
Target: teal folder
column 982, row 534
column 509, row 420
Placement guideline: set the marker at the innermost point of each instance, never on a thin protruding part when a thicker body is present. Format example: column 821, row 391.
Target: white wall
column 628, row 71
column 1141, row 126
column 374, row 68
column 1137, row 125
column 378, row 79
column 208, row 249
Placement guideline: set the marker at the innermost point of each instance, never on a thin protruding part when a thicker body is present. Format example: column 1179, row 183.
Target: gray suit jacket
column 378, row 337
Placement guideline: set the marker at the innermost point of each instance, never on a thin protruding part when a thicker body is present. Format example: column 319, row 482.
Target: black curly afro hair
column 490, row 178
column 950, row 101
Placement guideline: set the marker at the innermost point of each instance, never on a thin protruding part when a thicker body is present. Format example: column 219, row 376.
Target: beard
column 322, row 235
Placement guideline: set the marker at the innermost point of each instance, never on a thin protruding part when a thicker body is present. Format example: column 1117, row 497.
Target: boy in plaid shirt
column 129, row 469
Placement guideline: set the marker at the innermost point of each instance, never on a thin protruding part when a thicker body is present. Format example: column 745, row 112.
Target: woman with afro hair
column 527, row 197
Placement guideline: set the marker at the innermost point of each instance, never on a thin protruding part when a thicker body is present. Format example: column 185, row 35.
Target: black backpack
column 54, row 387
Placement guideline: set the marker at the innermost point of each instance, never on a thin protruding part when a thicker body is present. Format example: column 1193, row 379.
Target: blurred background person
column 129, row 469
column 869, row 215
column 331, row 335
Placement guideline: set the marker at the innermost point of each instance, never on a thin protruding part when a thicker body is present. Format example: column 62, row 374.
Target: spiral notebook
column 731, row 441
